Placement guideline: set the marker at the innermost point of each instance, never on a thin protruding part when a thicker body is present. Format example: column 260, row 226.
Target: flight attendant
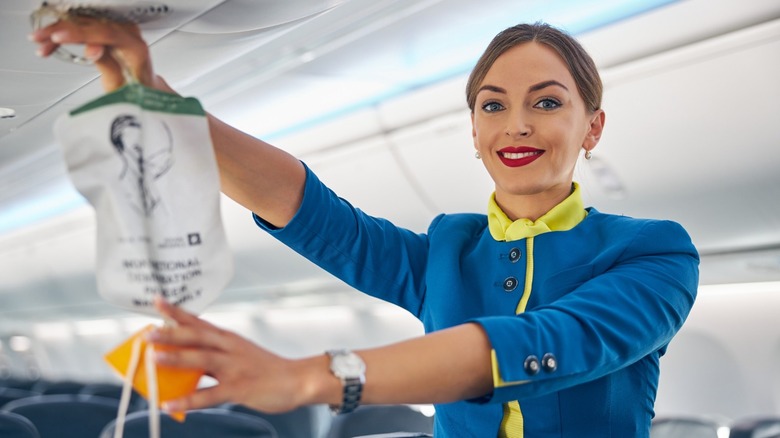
column 543, row 318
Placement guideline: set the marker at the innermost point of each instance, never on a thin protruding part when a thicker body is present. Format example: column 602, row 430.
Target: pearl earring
column 477, row 155
column 588, row 155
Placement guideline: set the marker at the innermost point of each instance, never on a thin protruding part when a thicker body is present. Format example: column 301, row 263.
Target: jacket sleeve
column 368, row 253
column 627, row 310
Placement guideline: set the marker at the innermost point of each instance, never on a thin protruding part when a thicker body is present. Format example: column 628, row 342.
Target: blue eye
column 491, row 107
column 547, row 104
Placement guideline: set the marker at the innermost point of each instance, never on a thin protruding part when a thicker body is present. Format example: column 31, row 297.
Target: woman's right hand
column 111, row 45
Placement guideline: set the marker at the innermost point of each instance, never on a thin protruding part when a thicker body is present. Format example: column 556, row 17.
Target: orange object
column 172, row 382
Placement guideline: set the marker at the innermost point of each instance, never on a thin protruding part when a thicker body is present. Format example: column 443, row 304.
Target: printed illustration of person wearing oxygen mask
column 142, row 163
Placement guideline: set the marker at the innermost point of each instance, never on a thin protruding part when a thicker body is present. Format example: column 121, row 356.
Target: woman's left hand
column 246, row 373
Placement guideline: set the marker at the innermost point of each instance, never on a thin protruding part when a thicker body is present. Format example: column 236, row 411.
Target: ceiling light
column 20, row 343
column 53, row 331
column 7, row 113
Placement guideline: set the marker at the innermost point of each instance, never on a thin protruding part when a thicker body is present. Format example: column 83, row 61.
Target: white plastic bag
column 144, row 160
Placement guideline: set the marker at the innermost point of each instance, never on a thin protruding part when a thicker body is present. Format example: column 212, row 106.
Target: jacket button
column 514, row 255
column 510, row 284
column 531, row 365
column 549, row 363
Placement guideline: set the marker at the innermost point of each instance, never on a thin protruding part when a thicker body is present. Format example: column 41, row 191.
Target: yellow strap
column 512, row 423
column 529, row 276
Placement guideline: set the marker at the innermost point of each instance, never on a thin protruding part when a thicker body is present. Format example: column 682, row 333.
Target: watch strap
column 353, row 389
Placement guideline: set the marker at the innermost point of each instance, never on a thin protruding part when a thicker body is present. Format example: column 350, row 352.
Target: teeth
column 518, row 155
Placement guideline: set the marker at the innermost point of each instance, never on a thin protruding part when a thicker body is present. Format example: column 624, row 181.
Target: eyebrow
column 492, row 88
column 546, row 84
column 535, row 87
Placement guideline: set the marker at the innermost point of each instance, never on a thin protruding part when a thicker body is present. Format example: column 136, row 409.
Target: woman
column 544, row 318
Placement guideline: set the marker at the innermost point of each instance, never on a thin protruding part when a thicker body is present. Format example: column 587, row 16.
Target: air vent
column 136, row 12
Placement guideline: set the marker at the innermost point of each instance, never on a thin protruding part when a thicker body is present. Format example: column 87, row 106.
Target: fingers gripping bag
column 144, row 160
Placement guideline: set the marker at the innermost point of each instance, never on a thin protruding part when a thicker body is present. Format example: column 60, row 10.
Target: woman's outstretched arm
column 444, row 366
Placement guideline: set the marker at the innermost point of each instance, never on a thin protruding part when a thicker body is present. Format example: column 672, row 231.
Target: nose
column 517, row 125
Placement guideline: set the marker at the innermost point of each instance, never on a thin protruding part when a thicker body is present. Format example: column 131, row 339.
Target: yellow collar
column 562, row 217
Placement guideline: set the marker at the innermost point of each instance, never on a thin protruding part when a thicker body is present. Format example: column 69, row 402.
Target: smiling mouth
column 518, row 159
column 519, row 155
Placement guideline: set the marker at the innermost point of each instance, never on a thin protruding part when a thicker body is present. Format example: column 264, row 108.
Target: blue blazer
column 607, row 297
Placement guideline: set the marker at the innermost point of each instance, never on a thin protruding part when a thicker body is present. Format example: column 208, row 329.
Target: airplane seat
column 380, row 419
column 305, row 422
column 398, row 435
column 201, row 423
column 16, row 426
column 8, row 395
column 756, row 427
column 49, row 387
column 684, row 427
column 66, row 415
column 114, row 391
column 17, row 383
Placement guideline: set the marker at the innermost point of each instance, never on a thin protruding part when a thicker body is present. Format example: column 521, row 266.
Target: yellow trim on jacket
column 564, row 216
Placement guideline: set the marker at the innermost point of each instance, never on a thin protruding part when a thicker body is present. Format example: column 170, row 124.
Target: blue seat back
column 15, row 426
column 114, row 390
column 8, row 395
column 18, row 383
column 377, row 419
column 684, row 428
column 48, row 387
column 66, row 416
column 756, row 427
column 204, row 423
column 305, row 422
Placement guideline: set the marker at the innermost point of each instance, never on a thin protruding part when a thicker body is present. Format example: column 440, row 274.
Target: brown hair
column 580, row 64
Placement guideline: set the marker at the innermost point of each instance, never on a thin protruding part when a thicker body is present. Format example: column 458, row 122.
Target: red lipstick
column 517, row 156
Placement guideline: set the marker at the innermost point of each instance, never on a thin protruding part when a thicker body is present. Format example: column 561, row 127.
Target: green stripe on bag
column 148, row 99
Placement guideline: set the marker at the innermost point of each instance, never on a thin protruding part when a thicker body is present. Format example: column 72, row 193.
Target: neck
column 531, row 206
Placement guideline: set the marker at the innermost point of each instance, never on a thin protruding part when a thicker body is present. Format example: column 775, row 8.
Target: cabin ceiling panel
column 671, row 26
column 25, row 88
column 440, row 159
column 662, row 147
column 236, row 16
column 182, row 65
column 370, row 176
column 741, row 267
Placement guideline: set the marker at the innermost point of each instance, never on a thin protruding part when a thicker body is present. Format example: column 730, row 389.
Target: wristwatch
column 351, row 369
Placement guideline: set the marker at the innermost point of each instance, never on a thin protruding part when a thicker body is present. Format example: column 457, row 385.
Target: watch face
column 348, row 365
